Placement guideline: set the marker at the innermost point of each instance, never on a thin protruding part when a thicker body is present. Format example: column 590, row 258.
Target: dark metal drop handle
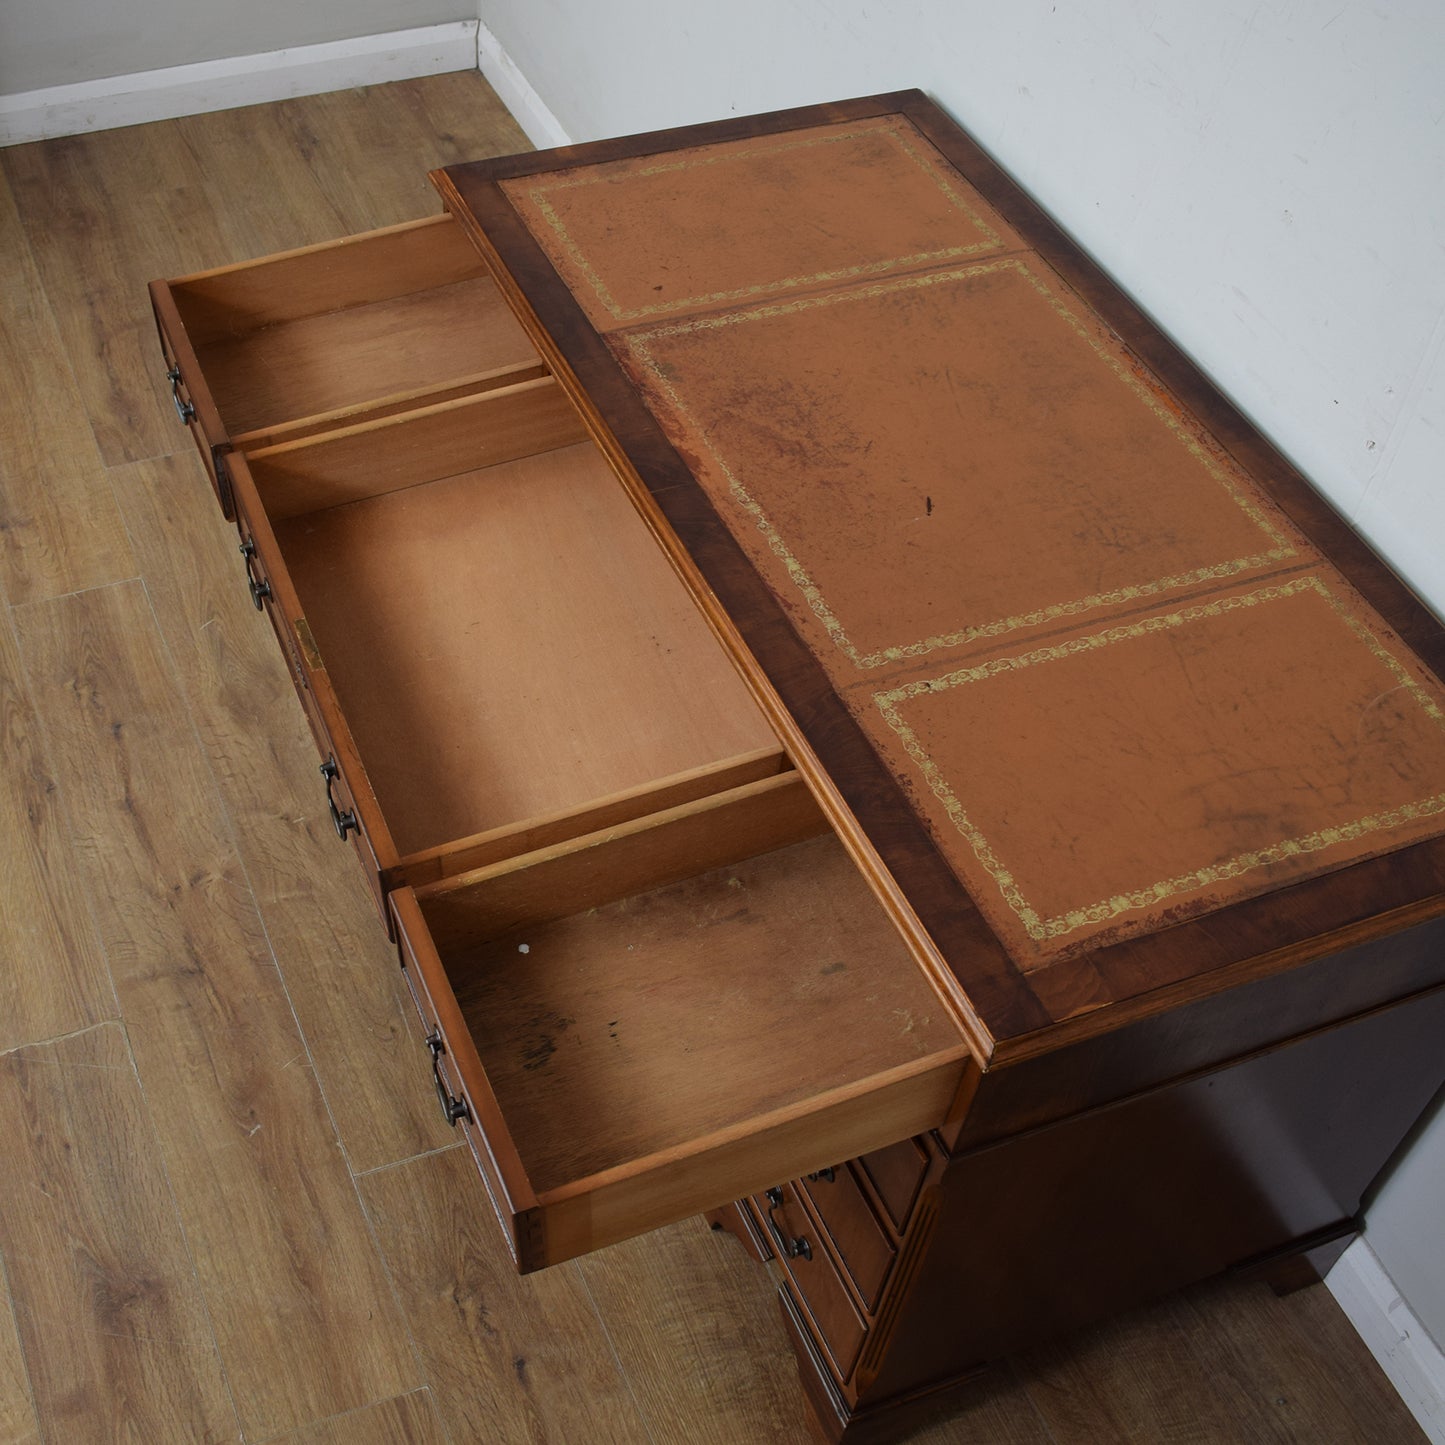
column 452, row 1108
column 260, row 587
column 825, row 1174
column 186, row 410
column 795, row 1248
column 343, row 822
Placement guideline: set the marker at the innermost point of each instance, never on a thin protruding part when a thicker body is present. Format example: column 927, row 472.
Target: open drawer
column 623, row 1055
column 492, row 651
column 309, row 340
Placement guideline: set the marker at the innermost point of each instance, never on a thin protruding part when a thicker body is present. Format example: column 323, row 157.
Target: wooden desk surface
column 1093, row 669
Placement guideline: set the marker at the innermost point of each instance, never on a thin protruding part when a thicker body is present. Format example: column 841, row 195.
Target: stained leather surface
column 1119, row 778
column 1120, row 688
column 683, row 231
column 937, row 459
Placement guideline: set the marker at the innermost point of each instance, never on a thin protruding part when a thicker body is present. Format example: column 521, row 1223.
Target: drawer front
column 897, row 1174
column 859, row 1240
column 194, row 404
column 350, row 804
column 348, row 821
column 455, row 1107
column 471, row 1109
column 257, row 579
column 816, row 1281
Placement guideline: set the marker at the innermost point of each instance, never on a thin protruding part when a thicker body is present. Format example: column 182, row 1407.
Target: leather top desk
column 840, row 716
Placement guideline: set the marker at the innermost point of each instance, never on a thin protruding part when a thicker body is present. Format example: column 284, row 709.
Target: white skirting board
column 238, row 80
column 1409, row 1357
column 515, row 91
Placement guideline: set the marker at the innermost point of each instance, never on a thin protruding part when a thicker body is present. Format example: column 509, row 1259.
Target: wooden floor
column 229, row 1209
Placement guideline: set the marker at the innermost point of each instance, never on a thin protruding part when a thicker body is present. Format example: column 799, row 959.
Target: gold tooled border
column 733, row 151
column 1043, row 930
column 639, row 344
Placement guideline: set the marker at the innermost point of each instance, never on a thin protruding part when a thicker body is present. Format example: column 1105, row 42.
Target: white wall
column 1267, row 178
column 46, row 43
column 1405, row 1224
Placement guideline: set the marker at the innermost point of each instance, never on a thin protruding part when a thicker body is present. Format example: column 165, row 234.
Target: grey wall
column 1267, row 178
column 58, row 42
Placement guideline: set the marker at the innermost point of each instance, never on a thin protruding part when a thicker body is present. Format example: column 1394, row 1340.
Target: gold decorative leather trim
column 1042, row 929
column 1283, row 548
column 732, row 151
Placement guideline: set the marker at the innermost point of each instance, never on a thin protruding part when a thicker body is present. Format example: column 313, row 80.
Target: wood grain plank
column 304, row 1315
column 995, row 1408
column 115, row 1330
column 509, row 1358
column 54, row 980
column 91, row 205
column 1141, row 1383
column 698, row 1335
column 1282, row 1359
column 263, row 190
column 1179, row 1372
column 370, row 149
column 104, row 214
column 340, row 972
column 406, row 1420
column 18, row 1425
column 60, row 529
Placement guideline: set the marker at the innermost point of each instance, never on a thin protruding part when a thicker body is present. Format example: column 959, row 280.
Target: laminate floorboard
column 341, row 973
column 260, row 1207
column 509, row 1359
column 370, row 149
column 1147, row 1384
column 60, row 527
column 996, row 1408
column 1292, row 1357
column 104, row 214
column 263, row 193
column 53, row 978
column 18, row 1425
column 115, row 1330
column 684, row 1315
column 304, row 1315
column 406, row 1420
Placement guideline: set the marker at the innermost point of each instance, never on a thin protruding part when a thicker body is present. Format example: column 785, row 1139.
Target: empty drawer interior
column 298, row 341
column 506, row 641
column 629, row 1029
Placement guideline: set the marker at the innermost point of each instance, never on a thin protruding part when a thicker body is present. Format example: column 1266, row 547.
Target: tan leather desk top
column 1120, row 686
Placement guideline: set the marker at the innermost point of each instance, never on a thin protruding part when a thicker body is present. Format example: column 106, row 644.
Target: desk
column 841, row 717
